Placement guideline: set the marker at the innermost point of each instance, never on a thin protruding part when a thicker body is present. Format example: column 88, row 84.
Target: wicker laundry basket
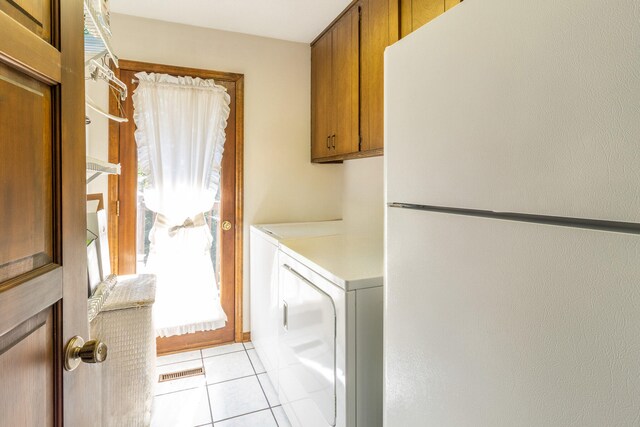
column 123, row 321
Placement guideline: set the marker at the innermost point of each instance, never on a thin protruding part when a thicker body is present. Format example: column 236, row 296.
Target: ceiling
column 294, row 20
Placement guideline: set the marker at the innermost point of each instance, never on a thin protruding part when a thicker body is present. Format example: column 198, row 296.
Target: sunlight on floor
column 234, row 392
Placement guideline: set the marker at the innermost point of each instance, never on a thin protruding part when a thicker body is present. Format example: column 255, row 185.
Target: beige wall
column 281, row 184
column 363, row 196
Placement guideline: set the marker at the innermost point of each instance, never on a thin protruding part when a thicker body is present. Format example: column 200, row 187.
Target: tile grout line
column 262, row 388
column 251, row 361
column 242, row 415
column 274, row 416
column 206, row 384
column 176, row 391
column 247, row 376
column 267, row 399
column 181, row 361
column 218, row 355
column 206, row 387
column 202, row 357
column 233, row 379
column 255, row 374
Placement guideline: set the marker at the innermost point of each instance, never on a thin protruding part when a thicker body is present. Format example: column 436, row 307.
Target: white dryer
column 330, row 334
column 265, row 313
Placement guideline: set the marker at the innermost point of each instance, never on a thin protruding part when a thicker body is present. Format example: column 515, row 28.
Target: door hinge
column 117, row 207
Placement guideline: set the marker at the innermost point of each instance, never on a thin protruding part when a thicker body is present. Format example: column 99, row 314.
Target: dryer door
column 308, row 351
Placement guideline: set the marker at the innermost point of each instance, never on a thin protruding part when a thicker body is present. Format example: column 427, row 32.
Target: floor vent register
column 181, row 374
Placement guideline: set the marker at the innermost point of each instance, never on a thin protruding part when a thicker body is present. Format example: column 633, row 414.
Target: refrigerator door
column 307, row 351
column 515, row 106
column 499, row 323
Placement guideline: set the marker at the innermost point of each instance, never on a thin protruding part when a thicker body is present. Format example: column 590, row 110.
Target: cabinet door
column 320, row 97
column 345, row 88
column 416, row 13
column 376, row 33
column 448, row 4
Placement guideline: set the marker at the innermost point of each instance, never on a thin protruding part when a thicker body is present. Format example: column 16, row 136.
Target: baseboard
column 246, row 336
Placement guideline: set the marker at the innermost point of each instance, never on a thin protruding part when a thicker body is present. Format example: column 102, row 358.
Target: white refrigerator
column 512, row 175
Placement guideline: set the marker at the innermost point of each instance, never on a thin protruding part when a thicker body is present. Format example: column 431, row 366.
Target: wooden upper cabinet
column 344, row 101
column 335, row 90
column 448, row 4
column 378, row 29
column 320, row 97
column 415, row 13
column 347, row 74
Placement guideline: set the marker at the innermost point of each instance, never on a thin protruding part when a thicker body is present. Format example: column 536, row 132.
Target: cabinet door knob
column 328, row 138
column 77, row 350
column 333, row 141
column 226, row 225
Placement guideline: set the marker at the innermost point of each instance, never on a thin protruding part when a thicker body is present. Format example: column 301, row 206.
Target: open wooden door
column 43, row 276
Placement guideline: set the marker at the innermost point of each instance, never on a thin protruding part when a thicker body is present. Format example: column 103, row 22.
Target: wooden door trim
column 80, row 385
column 114, row 156
column 239, row 214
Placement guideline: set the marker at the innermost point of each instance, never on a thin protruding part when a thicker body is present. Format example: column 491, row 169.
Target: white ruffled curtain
column 180, row 136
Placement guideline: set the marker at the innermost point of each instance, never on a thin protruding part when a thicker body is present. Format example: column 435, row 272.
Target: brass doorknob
column 226, row 225
column 78, row 351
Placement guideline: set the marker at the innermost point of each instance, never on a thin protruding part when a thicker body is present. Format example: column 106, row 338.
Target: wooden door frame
column 114, row 157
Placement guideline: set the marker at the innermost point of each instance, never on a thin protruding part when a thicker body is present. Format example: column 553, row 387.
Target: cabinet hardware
column 333, row 141
column 328, row 138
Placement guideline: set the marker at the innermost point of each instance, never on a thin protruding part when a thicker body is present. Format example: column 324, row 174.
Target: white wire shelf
column 99, row 167
column 97, row 36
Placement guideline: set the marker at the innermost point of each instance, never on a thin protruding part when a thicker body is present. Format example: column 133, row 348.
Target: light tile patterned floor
column 234, row 392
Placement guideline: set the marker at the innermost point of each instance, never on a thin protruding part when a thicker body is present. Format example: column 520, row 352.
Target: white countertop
column 350, row 261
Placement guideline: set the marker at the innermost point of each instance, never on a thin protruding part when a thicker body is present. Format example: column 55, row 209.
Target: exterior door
column 43, row 276
column 123, row 197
